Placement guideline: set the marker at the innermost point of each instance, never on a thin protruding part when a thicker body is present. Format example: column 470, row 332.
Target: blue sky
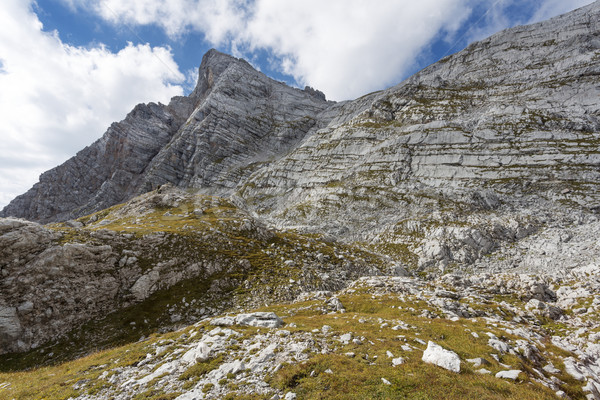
column 68, row 68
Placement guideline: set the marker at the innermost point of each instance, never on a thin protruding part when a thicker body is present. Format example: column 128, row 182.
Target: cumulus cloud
column 343, row 47
column 217, row 19
column 552, row 8
column 56, row 99
column 348, row 48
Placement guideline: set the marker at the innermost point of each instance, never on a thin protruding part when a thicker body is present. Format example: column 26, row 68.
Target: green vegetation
column 334, row 374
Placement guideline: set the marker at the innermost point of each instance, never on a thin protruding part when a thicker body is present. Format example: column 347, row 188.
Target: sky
column 69, row 68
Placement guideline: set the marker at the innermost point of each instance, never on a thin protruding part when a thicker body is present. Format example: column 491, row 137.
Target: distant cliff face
column 235, row 120
column 510, row 121
column 513, row 117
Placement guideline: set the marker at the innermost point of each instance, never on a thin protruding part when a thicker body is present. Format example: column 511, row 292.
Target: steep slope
column 162, row 259
column 233, row 121
column 489, row 144
column 500, row 336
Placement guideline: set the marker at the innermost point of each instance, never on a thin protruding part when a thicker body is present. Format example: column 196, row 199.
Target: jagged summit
column 235, row 119
column 211, row 67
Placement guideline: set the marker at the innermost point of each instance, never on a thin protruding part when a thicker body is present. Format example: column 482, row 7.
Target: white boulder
column 511, row 374
column 437, row 355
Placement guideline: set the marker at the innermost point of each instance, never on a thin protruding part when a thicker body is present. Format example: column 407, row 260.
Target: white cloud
column 343, row 47
column 56, row 99
column 347, row 48
column 215, row 18
column 552, row 8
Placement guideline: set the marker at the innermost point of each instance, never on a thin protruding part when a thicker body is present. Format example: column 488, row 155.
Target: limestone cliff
column 512, row 120
column 235, row 120
column 489, row 146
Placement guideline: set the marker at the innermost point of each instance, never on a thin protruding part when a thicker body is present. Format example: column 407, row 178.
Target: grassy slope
column 195, row 229
column 353, row 377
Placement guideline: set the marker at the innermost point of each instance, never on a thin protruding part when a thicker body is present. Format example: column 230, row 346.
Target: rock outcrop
column 162, row 259
column 512, row 120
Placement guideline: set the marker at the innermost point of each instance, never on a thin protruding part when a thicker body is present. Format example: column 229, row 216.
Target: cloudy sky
column 68, row 68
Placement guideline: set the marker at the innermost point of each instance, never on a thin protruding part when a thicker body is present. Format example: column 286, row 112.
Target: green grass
column 356, row 377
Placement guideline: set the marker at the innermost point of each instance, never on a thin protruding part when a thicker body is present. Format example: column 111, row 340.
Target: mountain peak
column 213, row 64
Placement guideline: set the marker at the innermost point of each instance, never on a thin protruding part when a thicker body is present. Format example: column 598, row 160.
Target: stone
column 397, row 361
column 259, row 319
column 437, row 355
column 290, row 396
column 233, row 367
column 200, row 353
column 512, row 374
column 499, row 345
column 335, row 304
column 25, row 307
column 10, row 325
column 223, row 321
column 574, row 369
column 346, row 338
column 446, row 294
column 551, row 369
column 478, row 362
column 540, row 307
column 385, row 381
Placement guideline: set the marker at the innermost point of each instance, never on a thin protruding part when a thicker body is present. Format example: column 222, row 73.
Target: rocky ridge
column 235, row 120
column 506, row 130
column 163, row 259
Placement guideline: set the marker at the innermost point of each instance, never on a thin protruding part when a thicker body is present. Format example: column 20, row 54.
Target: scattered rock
column 397, row 361
column 512, row 374
column 258, row 319
column 437, row 355
column 478, row 362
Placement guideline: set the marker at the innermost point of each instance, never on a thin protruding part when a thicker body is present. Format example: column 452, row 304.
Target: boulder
column 259, row 319
column 512, row 374
column 437, row 355
column 200, row 353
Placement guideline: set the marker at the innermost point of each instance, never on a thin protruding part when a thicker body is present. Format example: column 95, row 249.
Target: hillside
column 256, row 241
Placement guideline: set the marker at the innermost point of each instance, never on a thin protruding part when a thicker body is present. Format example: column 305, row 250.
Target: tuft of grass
column 198, row 370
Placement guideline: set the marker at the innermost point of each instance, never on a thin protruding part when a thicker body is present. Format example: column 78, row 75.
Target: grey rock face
column 482, row 148
column 54, row 279
column 234, row 121
column 105, row 173
column 517, row 113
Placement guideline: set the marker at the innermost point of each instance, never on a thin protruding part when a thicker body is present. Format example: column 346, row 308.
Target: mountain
column 233, row 121
column 450, row 221
column 491, row 144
